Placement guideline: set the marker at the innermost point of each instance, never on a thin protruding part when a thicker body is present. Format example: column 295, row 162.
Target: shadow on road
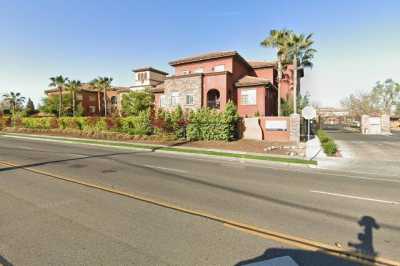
column 5, row 262
column 299, row 257
column 366, row 244
column 193, row 179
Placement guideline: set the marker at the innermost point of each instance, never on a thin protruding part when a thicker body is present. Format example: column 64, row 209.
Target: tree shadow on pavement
column 299, row 257
column 65, row 160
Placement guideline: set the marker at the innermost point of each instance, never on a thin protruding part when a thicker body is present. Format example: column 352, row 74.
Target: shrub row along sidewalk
column 152, row 147
column 328, row 144
column 203, row 124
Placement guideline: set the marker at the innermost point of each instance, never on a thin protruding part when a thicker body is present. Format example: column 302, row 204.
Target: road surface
column 379, row 154
column 49, row 221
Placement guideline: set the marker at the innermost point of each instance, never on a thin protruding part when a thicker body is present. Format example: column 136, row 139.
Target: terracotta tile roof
column 201, row 57
column 87, row 87
column 149, row 68
column 261, row 64
column 252, row 81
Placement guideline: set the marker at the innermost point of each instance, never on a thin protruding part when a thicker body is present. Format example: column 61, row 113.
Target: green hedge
column 210, row 124
column 328, row 144
column 202, row 124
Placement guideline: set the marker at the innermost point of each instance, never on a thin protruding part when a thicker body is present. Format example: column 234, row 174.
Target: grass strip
column 187, row 150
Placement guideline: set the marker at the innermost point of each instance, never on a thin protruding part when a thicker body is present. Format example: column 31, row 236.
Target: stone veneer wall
column 183, row 86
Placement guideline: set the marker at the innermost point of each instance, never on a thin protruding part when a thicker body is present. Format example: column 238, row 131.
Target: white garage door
column 374, row 125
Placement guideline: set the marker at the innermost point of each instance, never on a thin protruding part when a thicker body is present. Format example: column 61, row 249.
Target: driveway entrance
column 374, row 154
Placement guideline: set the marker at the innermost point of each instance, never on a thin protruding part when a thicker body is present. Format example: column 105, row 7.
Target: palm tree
column 59, row 83
column 102, row 84
column 15, row 100
column 301, row 54
column 278, row 39
column 73, row 86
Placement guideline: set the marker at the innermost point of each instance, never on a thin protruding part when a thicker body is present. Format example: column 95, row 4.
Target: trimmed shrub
column 328, row 144
column 210, row 124
column 136, row 125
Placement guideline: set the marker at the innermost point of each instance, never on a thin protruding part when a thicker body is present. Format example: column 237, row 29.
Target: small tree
column 51, row 105
column 137, row 101
column 15, row 100
column 30, row 108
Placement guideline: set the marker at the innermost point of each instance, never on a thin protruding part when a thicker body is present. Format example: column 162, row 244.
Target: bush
column 136, row 125
column 328, row 144
column 135, row 102
column 210, row 124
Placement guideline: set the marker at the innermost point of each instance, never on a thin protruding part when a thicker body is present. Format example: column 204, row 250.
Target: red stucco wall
column 251, row 110
column 206, row 65
column 279, row 136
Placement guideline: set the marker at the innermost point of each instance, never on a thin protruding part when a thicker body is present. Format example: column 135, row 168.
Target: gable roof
column 202, row 57
column 261, row 64
column 252, row 81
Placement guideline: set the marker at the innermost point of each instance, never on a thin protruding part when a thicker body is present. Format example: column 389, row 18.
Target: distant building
column 92, row 100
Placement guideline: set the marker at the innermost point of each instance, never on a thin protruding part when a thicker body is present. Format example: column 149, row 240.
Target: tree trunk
column 105, row 102
column 279, row 85
column 13, row 114
column 99, row 101
column 295, row 85
column 73, row 103
column 60, row 106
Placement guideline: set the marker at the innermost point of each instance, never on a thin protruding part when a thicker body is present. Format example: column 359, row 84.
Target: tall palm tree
column 301, row 53
column 59, row 82
column 278, row 39
column 73, row 86
column 102, row 84
column 15, row 100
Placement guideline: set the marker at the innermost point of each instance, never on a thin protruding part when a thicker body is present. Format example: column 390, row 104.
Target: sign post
column 308, row 113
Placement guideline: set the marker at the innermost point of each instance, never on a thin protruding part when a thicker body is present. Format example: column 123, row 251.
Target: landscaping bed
column 241, row 145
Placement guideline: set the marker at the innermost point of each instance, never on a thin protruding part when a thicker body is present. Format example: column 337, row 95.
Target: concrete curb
column 185, row 151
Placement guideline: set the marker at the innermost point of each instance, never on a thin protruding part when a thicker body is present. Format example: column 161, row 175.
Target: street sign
column 309, row 112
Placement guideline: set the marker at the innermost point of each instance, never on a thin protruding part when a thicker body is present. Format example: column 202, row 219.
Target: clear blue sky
column 358, row 41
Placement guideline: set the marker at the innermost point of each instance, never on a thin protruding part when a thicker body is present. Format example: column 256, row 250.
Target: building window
column 248, row 97
column 142, row 76
column 113, row 99
column 199, row 70
column 92, row 98
column 92, row 109
column 219, row 68
column 174, row 98
column 189, row 99
column 185, row 72
column 163, row 101
column 79, row 97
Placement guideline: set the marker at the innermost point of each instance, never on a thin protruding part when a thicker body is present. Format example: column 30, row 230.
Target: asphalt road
column 49, row 221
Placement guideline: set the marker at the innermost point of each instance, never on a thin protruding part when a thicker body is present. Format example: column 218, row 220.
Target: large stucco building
column 206, row 80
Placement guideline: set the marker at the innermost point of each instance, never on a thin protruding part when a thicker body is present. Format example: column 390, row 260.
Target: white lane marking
column 165, row 168
column 343, row 174
column 354, row 197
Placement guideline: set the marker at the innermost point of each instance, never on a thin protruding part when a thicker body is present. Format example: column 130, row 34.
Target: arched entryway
column 213, row 99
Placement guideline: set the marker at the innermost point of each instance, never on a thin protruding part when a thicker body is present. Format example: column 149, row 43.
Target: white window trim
column 186, row 72
column 251, row 98
column 199, row 70
column 222, row 68
column 175, row 96
column 186, row 99
column 163, row 100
